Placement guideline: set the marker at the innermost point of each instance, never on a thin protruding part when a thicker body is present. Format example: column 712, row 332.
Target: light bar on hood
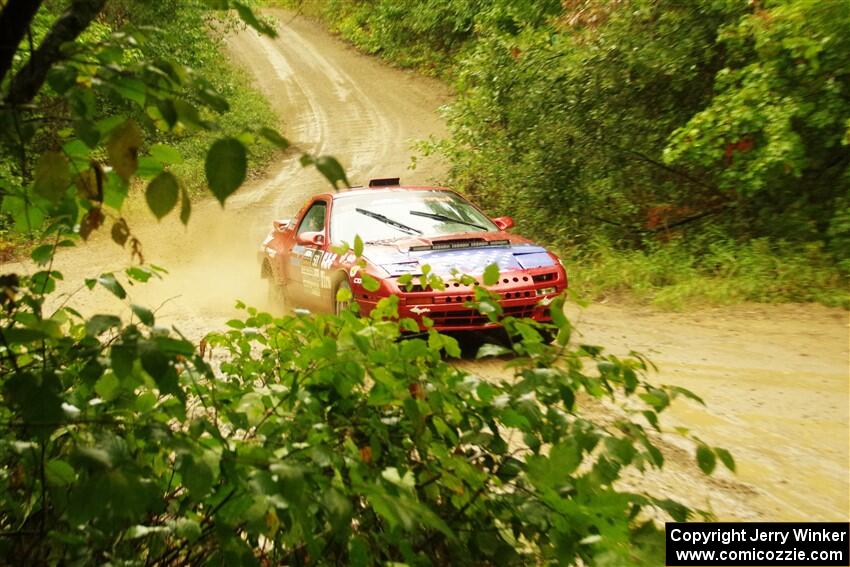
column 455, row 244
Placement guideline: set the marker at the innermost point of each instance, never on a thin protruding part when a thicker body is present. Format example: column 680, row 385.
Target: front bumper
column 523, row 294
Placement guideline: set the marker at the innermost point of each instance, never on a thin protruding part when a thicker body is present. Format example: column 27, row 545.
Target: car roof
column 357, row 191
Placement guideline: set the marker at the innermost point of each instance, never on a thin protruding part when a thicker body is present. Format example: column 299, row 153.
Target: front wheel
column 342, row 306
column 276, row 298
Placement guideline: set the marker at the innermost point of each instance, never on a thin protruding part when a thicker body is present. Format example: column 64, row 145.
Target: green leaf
column 109, row 282
column 149, row 167
column 52, row 176
column 213, row 100
column 108, row 386
column 42, row 254
column 59, row 473
column 652, row 418
column 358, row 245
column 359, row 553
column 165, row 154
column 123, row 148
column 339, row 509
column 725, row 458
column 96, row 455
column 87, row 132
column 130, row 88
column 61, row 78
column 17, row 335
column 98, row 324
column 706, row 459
column 144, row 314
column 26, row 215
column 274, row 137
column 225, row 167
column 556, row 310
column 197, row 476
column 370, row 283
column 185, row 207
column 677, row 511
column 188, row 529
column 110, row 123
column 162, row 193
column 139, row 274
column 247, row 16
column 166, row 110
column 452, row 346
column 678, row 390
column 175, row 346
column 186, row 113
column 145, row 402
column 491, row 274
column 332, row 170
column 343, row 295
column 114, row 191
column 122, row 358
column 492, row 350
column 656, row 398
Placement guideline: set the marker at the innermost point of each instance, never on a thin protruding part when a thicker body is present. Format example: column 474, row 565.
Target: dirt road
column 775, row 378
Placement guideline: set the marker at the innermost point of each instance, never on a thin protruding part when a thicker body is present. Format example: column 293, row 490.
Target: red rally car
column 404, row 228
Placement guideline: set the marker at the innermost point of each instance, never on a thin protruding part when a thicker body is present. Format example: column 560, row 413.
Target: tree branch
column 27, row 82
column 14, row 23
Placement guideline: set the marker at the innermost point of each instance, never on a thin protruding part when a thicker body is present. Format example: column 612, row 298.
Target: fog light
column 546, row 290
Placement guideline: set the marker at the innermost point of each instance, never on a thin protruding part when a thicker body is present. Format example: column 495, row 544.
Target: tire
column 340, row 307
column 548, row 334
column 276, row 298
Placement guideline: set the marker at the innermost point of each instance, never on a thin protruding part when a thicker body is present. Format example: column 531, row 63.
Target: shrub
column 318, row 439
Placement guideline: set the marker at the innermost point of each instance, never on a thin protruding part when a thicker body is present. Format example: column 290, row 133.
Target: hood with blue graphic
column 465, row 255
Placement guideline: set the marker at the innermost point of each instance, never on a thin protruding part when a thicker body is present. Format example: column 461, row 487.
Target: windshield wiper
column 445, row 218
column 389, row 221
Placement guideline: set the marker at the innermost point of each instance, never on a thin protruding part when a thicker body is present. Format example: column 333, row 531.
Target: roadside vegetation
column 682, row 153
column 190, row 35
column 279, row 440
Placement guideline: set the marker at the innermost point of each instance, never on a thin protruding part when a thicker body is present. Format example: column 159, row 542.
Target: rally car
column 404, row 228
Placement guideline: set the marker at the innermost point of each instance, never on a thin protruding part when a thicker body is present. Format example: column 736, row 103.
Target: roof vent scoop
column 385, row 182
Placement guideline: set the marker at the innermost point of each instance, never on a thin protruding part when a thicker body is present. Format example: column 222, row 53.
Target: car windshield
column 388, row 215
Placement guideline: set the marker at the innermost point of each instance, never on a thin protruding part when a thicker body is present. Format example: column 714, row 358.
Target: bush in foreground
column 319, row 440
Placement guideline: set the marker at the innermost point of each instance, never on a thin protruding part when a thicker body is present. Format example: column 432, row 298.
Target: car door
column 304, row 282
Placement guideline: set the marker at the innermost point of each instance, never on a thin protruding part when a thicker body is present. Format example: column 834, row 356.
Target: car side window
column 314, row 220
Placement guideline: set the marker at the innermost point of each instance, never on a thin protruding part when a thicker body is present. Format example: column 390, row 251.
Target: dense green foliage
column 677, row 276
column 195, row 39
column 319, row 440
column 141, row 95
column 314, row 440
column 645, row 125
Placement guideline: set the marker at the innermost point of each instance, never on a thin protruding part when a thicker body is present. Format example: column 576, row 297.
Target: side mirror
column 310, row 238
column 281, row 225
column 503, row 223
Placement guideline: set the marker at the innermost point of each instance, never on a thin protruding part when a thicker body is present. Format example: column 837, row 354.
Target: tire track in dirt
column 775, row 382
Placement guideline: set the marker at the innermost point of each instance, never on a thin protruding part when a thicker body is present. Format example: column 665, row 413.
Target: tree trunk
column 27, row 82
column 14, row 23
